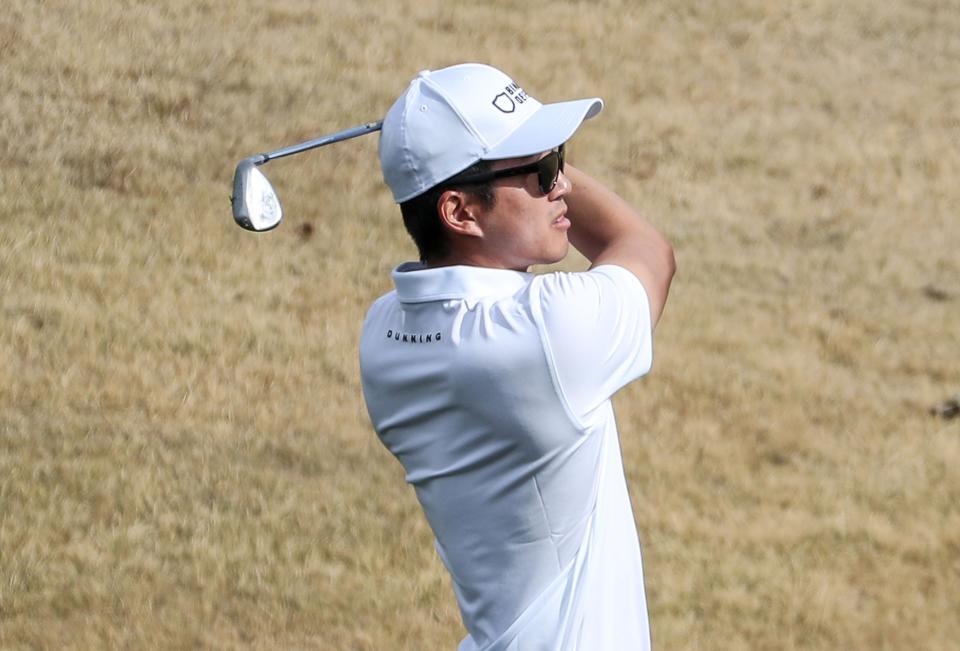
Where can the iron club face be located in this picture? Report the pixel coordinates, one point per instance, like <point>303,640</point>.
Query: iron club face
<point>256,206</point>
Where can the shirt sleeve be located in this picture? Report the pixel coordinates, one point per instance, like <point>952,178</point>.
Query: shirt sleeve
<point>596,331</point>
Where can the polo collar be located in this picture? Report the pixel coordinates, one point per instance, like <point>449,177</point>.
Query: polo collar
<point>418,284</point>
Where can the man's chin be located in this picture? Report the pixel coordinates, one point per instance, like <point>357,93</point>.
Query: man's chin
<point>556,255</point>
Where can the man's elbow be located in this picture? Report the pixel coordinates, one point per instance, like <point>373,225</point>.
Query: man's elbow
<point>664,276</point>
<point>671,259</point>
<point>668,262</point>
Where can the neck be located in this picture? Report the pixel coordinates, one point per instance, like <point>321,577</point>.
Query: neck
<point>474,260</point>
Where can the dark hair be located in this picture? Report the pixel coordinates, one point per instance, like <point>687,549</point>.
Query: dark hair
<point>422,219</point>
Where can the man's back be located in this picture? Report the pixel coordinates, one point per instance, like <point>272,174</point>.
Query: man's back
<point>492,388</point>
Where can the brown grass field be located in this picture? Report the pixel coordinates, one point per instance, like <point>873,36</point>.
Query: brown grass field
<point>185,459</point>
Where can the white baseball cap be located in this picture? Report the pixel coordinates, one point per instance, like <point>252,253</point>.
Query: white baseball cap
<point>449,119</point>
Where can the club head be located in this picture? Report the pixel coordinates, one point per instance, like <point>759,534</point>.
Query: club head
<point>256,206</point>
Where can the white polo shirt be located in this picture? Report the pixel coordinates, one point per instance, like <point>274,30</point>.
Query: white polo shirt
<point>493,388</point>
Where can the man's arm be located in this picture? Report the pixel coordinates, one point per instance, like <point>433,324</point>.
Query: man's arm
<point>607,230</point>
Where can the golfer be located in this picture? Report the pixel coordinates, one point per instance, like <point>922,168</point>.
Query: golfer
<point>492,385</point>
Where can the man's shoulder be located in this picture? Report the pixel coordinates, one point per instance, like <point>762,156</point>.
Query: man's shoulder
<point>595,327</point>
<point>604,282</point>
<point>381,303</point>
<point>610,272</point>
<point>386,297</point>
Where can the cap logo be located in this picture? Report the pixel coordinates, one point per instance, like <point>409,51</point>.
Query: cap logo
<point>504,103</point>
<point>507,101</point>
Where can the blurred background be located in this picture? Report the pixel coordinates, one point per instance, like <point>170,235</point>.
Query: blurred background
<point>185,458</point>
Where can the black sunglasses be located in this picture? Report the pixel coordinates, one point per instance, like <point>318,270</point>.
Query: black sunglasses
<point>547,168</point>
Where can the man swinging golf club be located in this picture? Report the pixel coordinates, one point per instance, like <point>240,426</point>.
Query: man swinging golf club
<point>492,385</point>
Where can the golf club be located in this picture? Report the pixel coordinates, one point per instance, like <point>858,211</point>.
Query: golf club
<point>256,206</point>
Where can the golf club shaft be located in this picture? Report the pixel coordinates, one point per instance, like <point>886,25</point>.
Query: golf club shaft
<point>369,127</point>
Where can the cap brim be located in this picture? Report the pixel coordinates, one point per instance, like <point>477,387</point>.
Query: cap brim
<point>551,126</point>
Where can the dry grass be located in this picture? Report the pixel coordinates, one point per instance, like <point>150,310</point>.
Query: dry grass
<point>185,461</point>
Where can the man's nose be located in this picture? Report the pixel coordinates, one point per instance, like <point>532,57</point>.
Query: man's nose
<point>561,187</point>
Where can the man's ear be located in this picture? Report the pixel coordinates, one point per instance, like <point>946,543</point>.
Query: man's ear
<point>458,212</point>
